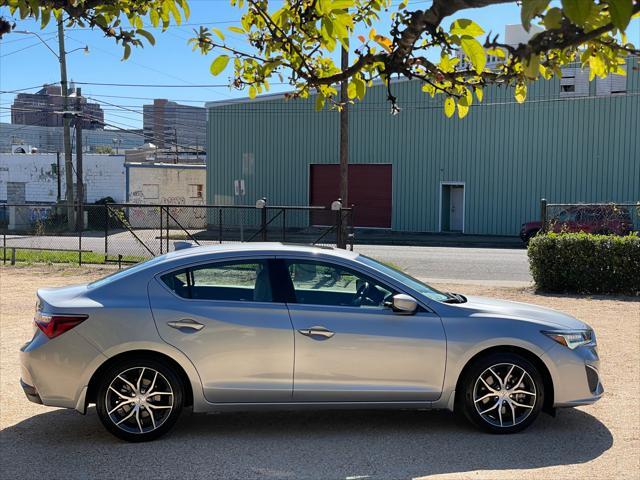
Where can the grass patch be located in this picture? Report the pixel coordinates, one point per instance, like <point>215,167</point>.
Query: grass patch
<point>62,256</point>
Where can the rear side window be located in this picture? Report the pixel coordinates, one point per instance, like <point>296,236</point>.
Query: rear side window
<point>238,281</point>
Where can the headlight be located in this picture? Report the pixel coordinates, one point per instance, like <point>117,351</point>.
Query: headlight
<point>572,338</point>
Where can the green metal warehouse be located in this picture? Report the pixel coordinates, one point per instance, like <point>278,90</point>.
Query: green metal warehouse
<point>419,171</point>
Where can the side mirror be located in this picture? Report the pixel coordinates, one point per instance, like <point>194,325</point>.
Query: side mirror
<point>403,303</point>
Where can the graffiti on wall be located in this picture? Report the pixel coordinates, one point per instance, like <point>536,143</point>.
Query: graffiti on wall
<point>149,217</point>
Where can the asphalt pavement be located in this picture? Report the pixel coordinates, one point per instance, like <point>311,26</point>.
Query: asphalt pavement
<point>499,266</point>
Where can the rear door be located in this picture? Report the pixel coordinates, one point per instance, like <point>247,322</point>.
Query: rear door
<point>227,319</point>
<point>350,347</point>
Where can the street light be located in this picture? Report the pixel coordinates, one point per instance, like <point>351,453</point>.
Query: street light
<point>27,32</point>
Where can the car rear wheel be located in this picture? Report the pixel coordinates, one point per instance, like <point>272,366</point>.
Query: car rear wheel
<point>503,393</point>
<point>139,399</point>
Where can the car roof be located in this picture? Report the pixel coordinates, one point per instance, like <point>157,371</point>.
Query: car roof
<point>258,248</point>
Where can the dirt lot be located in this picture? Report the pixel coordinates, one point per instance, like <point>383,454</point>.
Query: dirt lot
<point>599,441</point>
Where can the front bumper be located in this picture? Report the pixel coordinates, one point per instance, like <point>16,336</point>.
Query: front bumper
<point>31,392</point>
<point>577,379</point>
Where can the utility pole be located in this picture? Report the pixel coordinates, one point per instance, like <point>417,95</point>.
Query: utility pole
<point>79,181</point>
<point>68,166</point>
<point>344,146</point>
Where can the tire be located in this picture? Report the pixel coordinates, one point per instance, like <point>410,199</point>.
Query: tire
<point>502,412</point>
<point>529,235</point>
<point>128,412</point>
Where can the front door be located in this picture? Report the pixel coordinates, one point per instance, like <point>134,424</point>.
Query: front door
<point>226,318</point>
<point>350,347</point>
<point>456,206</point>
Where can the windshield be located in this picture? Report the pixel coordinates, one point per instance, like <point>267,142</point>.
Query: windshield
<point>126,272</point>
<point>408,280</point>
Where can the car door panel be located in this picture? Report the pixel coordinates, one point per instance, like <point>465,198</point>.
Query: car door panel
<point>365,353</point>
<point>243,352</point>
<point>374,355</point>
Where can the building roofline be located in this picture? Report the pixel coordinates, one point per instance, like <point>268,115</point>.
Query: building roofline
<point>165,165</point>
<point>278,95</point>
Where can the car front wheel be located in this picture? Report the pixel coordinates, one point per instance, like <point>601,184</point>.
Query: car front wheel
<point>503,393</point>
<point>139,399</point>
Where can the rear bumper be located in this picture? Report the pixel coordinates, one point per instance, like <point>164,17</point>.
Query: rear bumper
<point>31,392</point>
<point>56,372</point>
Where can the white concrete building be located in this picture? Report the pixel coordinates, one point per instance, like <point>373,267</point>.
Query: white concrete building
<point>166,184</point>
<point>40,177</point>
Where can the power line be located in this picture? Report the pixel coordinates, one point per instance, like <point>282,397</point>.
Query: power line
<point>23,89</point>
<point>150,85</point>
<point>20,49</point>
<point>161,72</point>
<point>51,35</point>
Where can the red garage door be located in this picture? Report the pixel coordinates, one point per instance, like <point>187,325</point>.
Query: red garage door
<point>369,191</point>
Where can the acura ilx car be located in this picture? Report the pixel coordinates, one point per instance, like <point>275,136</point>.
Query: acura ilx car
<point>264,326</point>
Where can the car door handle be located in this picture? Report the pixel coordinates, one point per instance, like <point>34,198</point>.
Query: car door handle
<point>316,332</point>
<point>186,323</point>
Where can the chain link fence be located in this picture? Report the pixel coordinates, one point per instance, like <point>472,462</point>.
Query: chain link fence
<point>129,233</point>
<point>596,218</point>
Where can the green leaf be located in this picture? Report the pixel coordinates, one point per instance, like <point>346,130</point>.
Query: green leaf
<point>521,92</point>
<point>467,99</point>
<point>252,92</point>
<point>185,8</point>
<point>577,10</point>
<point>351,90</point>
<point>597,67</point>
<point>127,51</point>
<point>531,8</point>
<point>465,27</point>
<point>479,93</point>
<point>154,17</point>
<point>531,67</point>
<point>218,32</point>
<point>146,35</point>
<point>553,18</point>
<point>319,102</point>
<point>219,64</point>
<point>475,52</point>
<point>46,15</point>
<point>462,110</point>
<point>620,12</point>
<point>236,30</point>
<point>360,87</point>
<point>449,107</point>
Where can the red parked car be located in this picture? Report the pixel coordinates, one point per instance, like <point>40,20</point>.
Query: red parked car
<point>600,219</point>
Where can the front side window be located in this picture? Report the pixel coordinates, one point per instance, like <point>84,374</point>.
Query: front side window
<point>318,283</point>
<point>238,281</point>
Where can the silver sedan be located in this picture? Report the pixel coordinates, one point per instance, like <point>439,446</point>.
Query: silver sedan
<point>262,326</point>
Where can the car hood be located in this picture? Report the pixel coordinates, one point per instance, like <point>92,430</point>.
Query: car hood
<point>522,311</point>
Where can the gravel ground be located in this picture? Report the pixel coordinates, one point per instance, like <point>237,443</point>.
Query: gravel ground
<point>599,441</point>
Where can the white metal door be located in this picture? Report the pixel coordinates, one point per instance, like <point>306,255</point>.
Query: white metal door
<point>456,207</point>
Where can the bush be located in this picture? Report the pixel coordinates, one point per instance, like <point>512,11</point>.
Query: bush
<point>96,216</point>
<point>585,263</point>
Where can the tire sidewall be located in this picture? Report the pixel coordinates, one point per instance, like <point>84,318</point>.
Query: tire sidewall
<point>477,368</point>
<point>116,369</point>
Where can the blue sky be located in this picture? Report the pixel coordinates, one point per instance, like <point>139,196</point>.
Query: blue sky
<point>24,62</point>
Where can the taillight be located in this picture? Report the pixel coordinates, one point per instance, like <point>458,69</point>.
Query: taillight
<point>54,325</point>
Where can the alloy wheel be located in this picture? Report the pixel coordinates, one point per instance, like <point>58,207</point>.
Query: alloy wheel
<point>139,400</point>
<point>504,395</point>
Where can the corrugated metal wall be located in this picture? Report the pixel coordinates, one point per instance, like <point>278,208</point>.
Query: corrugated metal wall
<point>508,155</point>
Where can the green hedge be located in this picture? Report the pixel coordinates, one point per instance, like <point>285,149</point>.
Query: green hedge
<point>584,263</point>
